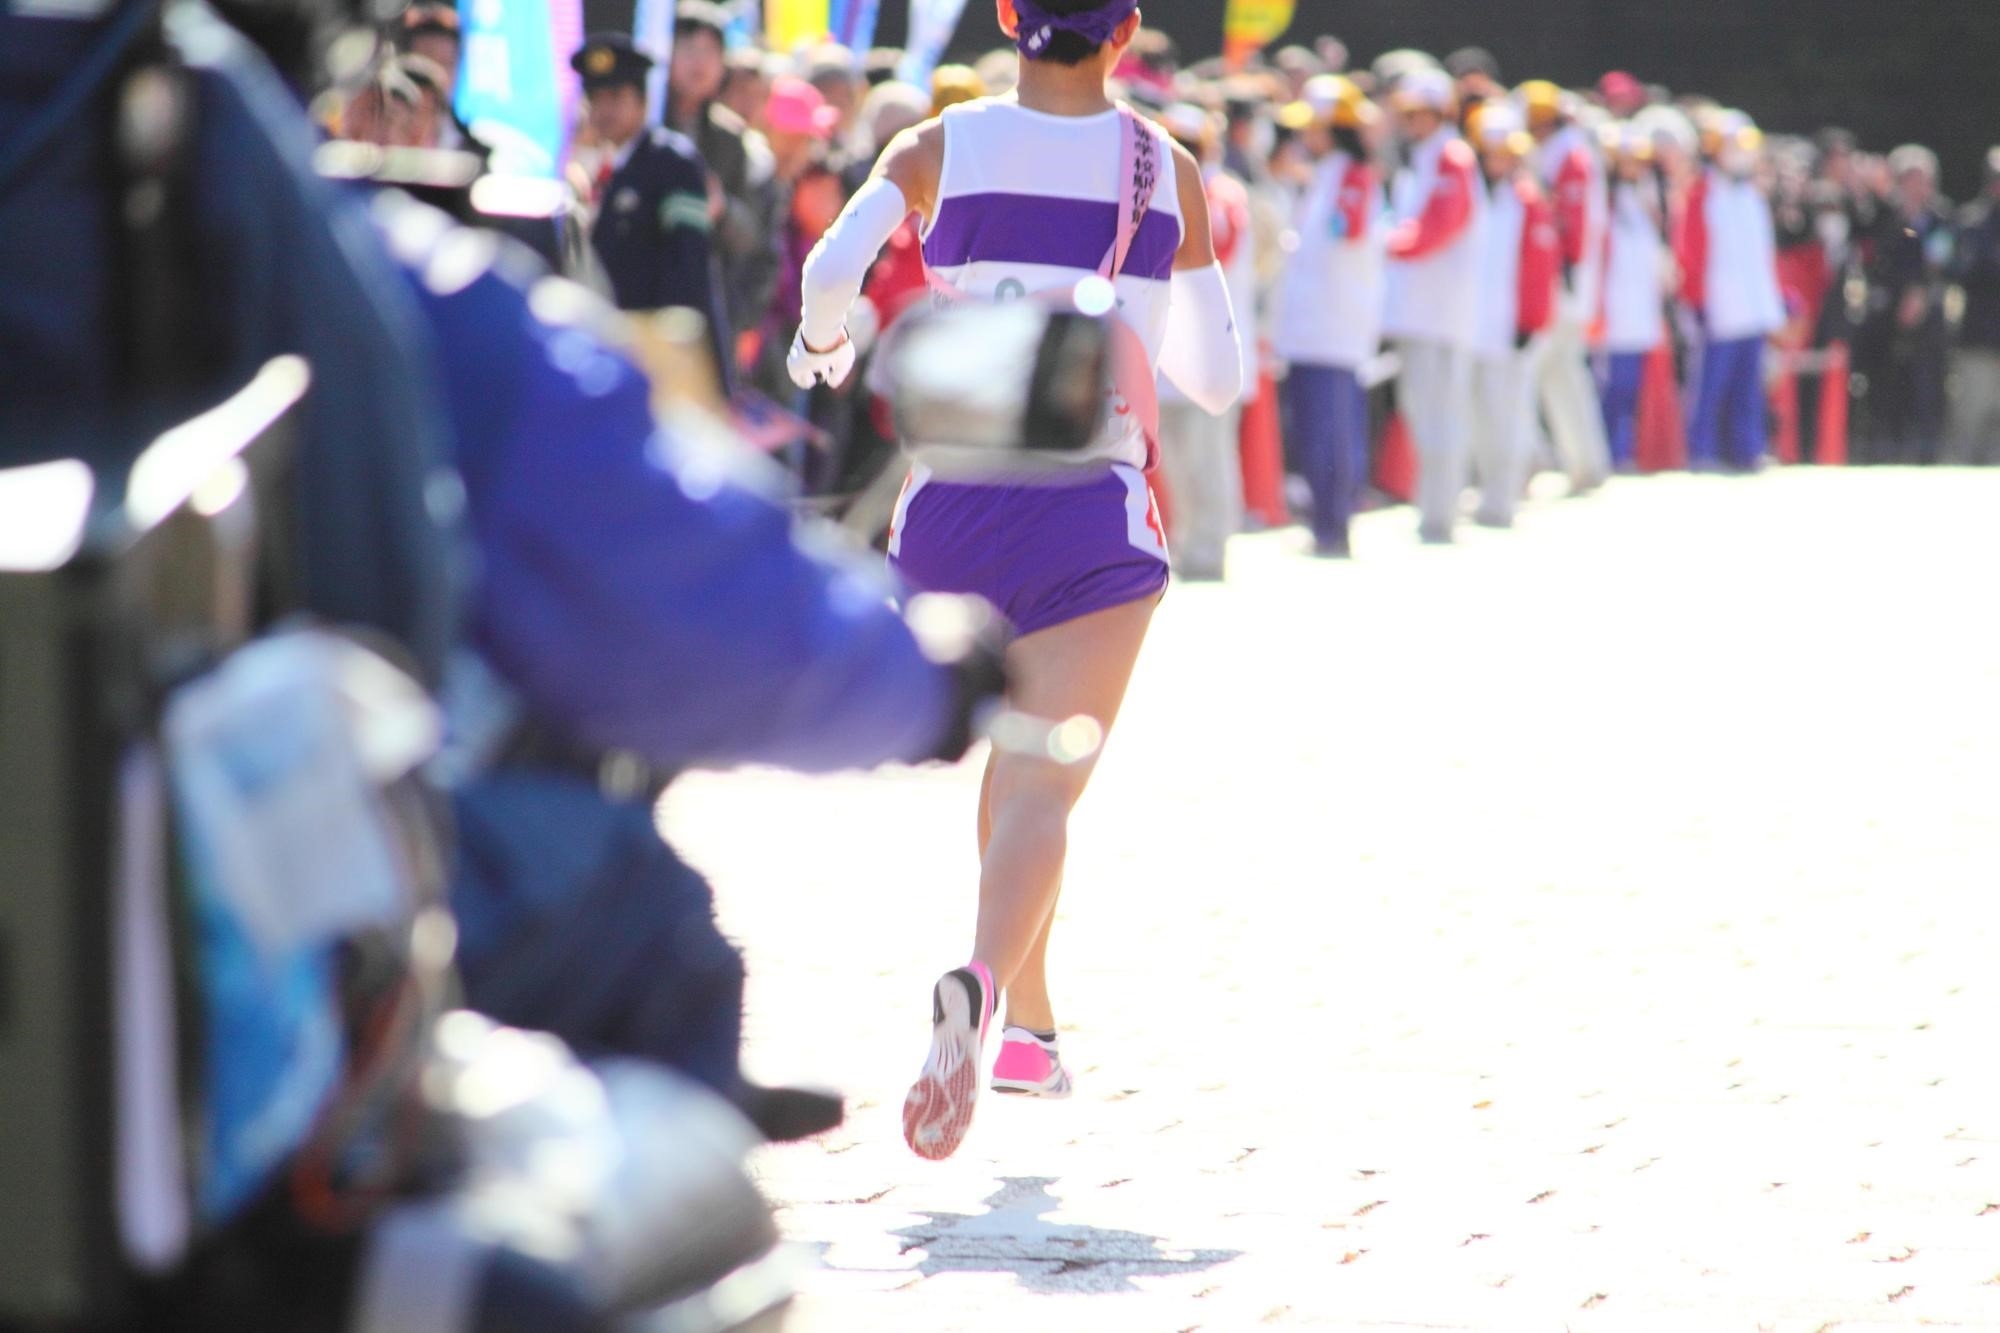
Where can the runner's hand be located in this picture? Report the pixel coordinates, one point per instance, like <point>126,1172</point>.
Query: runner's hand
<point>808,367</point>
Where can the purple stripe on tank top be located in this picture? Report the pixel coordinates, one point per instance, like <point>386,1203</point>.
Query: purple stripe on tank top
<point>1035,229</point>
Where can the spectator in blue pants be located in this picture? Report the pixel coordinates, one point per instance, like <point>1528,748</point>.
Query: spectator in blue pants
<point>1729,286</point>
<point>1329,317</point>
<point>1330,411</point>
<point>1635,288</point>
<point>1623,373</point>
<point>1727,426</point>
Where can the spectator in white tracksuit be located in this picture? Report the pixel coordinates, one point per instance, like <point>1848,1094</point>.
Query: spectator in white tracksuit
<point>1328,320</point>
<point>1198,448</point>
<point>1635,287</point>
<point>1517,297</point>
<point>1432,302</point>
<point>1572,172</point>
<point>1729,286</point>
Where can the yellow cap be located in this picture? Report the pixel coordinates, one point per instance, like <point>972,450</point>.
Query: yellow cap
<point>1722,129</point>
<point>1498,125</point>
<point>1712,128</point>
<point>1330,99</point>
<point>952,84</point>
<point>1353,110</point>
<point>1541,100</point>
<point>1624,138</point>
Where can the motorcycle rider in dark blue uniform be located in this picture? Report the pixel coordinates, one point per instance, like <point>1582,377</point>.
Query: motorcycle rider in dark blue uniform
<point>632,595</point>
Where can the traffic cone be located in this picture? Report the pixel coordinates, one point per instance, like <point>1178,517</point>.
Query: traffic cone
<point>1396,461</point>
<point>1261,453</point>
<point>1833,408</point>
<point>1662,438</point>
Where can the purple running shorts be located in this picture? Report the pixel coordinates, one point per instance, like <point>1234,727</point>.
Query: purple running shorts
<point>1043,553</point>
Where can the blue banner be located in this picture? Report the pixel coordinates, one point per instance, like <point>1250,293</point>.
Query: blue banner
<point>509,96</point>
<point>566,32</point>
<point>653,33</point>
<point>932,23</point>
<point>852,23</point>
<point>746,24</point>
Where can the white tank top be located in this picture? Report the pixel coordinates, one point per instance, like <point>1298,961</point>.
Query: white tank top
<point>1028,202</point>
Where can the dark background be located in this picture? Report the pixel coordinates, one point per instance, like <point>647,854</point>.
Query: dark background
<point>1893,71</point>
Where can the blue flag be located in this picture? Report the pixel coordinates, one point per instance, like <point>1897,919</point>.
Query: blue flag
<point>932,23</point>
<point>510,96</point>
<point>653,33</point>
<point>852,23</point>
<point>746,24</point>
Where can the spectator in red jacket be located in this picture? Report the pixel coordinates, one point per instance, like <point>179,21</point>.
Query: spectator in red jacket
<point>1435,251</point>
<point>1517,297</point>
<point>1198,449</point>
<point>1567,160</point>
<point>1328,320</point>
<point>1729,285</point>
<point>1635,287</point>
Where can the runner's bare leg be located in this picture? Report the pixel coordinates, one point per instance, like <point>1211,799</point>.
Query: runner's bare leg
<point>1081,666</point>
<point>1028,1003</point>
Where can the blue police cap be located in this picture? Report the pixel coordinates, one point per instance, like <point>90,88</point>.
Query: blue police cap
<point>608,59</point>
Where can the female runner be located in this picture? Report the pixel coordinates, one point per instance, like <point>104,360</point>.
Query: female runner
<point>1017,195</point>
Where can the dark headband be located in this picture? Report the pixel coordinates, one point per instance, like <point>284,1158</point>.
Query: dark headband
<point>1095,26</point>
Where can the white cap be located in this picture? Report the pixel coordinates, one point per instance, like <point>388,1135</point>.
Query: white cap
<point>1666,125</point>
<point>1913,157</point>
<point>1392,66</point>
<point>1733,123</point>
<point>1185,120</point>
<point>1499,122</point>
<point>1322,94</point>
<point>1428,88</point>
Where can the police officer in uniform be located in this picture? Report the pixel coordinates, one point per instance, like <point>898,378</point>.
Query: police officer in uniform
<point>651,194</point>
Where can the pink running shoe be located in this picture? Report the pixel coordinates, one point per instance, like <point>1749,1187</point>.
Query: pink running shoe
<point>1029,1066</point>
<point>938,1110</point>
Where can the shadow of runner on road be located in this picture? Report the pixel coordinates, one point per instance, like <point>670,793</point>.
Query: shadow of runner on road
<point>1015,1236</point>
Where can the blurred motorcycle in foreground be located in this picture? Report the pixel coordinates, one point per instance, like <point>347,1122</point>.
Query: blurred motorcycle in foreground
<point>236,1090</point>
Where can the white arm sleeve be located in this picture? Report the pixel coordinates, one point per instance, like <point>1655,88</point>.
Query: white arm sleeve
<point>1202,354</point>
<point>835,268</point>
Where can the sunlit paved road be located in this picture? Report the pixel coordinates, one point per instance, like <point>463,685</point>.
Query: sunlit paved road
<point>1590,927</point>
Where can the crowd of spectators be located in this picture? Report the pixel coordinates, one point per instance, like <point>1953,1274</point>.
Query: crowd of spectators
<point>1885,284</point>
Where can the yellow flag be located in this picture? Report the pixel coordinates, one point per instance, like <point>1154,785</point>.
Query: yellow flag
<point>1249,26</point>
<point>788,23</point>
